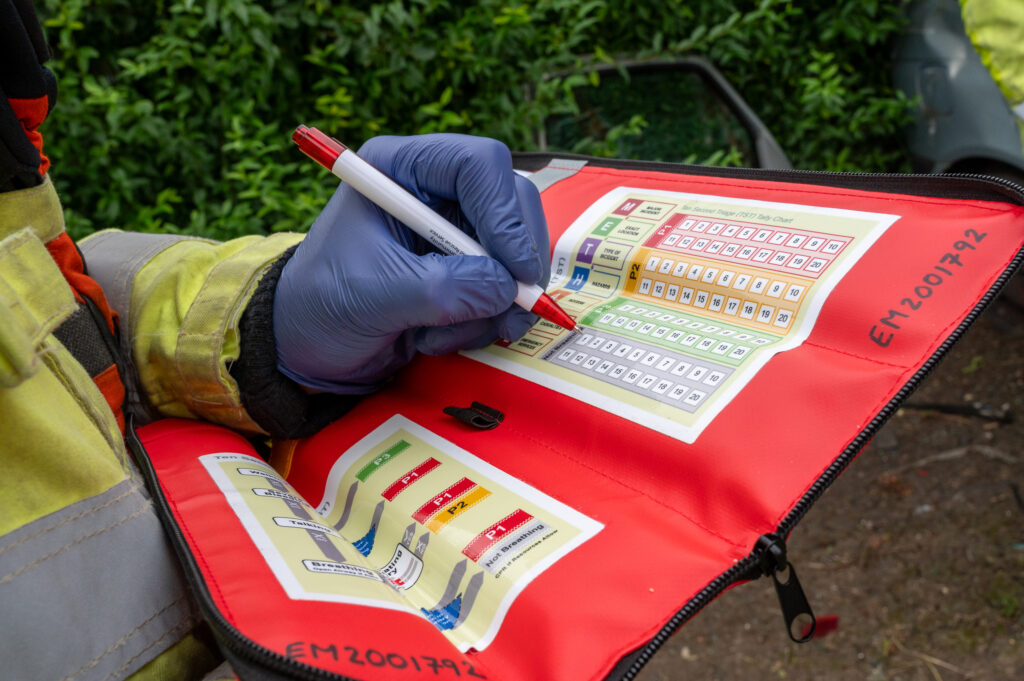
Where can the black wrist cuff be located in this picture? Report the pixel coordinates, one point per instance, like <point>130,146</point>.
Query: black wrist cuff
<point>274,401</point>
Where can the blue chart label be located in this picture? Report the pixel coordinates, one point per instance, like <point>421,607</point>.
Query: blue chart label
<point>407,522</point>
<point>579,278</point>
<point>684,298</point>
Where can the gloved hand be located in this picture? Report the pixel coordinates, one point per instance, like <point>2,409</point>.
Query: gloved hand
<point>363,293</point>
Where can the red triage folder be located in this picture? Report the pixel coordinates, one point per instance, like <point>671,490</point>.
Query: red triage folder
<point>747,332</point>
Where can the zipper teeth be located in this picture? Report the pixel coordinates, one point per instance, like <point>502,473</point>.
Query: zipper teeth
<point>692,607</point>
<point>818,487</point>
<point>1007,188</point>
<point>243,645</point>
<point>1016,191</point>
<point>236,641</point>
<point>843,460</point>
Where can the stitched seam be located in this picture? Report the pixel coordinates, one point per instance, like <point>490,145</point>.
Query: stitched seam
<point>192,546</point>
<point>133,264</point>
<point>194,397</point>
<point>42,326</point>
<point>641,492</point>
<point>8,577</point>
<point>855,355</point>
<point>43,330</point>
<point>94,509</point>
<point>31,197</point>
<point>209,578</point>
<point>125,277</point>
<point>173,631</point>
<point>90,410</point>
<point>229,312</point>
<point>96,660</point>
<point>41,354</point>
<point>875,409</point>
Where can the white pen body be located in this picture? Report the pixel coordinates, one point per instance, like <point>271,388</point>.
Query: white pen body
<point>527,295</point>
<point>417,216</point>
<point>405,207</point>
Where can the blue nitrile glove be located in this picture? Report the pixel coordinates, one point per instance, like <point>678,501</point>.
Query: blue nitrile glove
<point>363,293</point>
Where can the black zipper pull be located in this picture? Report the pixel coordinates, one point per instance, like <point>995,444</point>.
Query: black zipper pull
<point>800,621</point>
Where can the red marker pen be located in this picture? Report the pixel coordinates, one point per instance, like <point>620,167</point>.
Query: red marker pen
<point>407,209</point>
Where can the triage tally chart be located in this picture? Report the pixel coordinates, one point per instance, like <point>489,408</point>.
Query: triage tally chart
<point>683,298</point>
<point>746,334</point>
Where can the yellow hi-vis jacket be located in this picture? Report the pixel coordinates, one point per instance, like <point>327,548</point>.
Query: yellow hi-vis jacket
<point>89,588</point>
<point>996,28</point>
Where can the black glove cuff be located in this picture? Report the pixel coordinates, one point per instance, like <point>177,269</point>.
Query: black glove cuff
<point>272,399</point>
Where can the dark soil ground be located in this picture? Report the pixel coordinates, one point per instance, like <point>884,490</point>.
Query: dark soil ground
<point>917,549</point>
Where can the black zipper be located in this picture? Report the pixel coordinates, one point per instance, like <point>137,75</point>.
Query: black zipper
<point>843,460</point>
<point>227,635</point>
<point>768,557</point>
<point>796,611</point>
<point>979,187</point>
<point>756,564</point>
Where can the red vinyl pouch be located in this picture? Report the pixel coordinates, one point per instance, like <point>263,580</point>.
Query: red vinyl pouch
<point>555,507</point>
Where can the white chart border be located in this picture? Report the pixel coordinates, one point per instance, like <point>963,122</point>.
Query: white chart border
<point>587,526</point>
<point>687,433</point>
<point>277,562</point>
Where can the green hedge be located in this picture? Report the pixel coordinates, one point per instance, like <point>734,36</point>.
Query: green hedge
<point>176,115</point>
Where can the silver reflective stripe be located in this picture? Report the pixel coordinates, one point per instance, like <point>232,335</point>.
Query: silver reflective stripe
<point>113,259</point>
<point>555,171</point>
<point>90,592</point>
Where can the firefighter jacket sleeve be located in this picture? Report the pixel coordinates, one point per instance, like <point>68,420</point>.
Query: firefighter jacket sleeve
<point>196,330</point>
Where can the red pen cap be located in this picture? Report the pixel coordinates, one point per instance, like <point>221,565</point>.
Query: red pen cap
<point>548,309</point>
<point>322,148</point>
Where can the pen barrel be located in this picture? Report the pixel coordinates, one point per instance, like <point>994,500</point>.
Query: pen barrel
<point>403,206</point>
<point>527,295</point>
<point>443,235</point>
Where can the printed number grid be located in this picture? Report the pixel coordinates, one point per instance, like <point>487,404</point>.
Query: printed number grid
<point>761,299</point>
<point>721,343</point>
<point>781,250</point>
<point>675,359</point>
<point>681,381</point>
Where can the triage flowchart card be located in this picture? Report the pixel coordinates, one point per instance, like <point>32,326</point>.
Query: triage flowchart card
<point>684,298</point>
<point>408,521</point>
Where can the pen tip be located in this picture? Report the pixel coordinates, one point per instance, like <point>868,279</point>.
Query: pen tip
<point>578,330</point>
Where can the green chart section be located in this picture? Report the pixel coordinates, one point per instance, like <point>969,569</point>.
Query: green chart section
<point>717,341</point>
<point>389,454</point>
